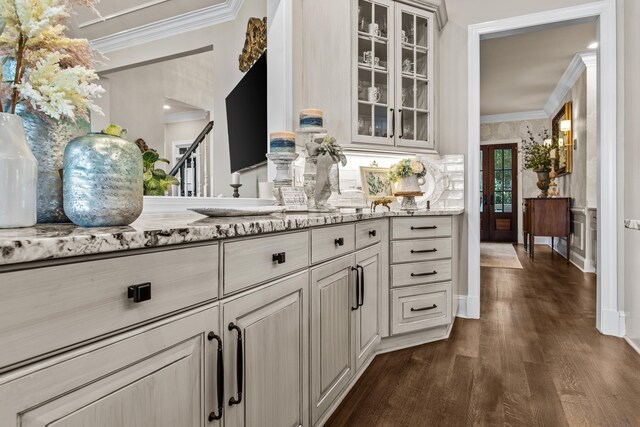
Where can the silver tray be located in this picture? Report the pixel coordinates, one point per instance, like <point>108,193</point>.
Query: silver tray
<point>238,211</point>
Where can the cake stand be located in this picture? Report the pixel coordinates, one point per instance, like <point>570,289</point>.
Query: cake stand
<point>409,200</point>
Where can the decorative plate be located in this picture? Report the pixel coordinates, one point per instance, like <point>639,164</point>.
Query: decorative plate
<point>238,211</point>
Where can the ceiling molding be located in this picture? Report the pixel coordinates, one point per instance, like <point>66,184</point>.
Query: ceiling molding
<point>185,116</point>
<point>569,78</point>
<point>514,117</point>
<point>123,12</point>
<point>169,27</point>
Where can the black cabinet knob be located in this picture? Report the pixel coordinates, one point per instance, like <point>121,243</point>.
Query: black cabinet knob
<point>139,293</point>
<point>280,258</point>
<point>339,241</point>
<point>372,233</point>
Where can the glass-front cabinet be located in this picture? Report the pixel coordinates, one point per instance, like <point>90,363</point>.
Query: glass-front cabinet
<point>392,96</point>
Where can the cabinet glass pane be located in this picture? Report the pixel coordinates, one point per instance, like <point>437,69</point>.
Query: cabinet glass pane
<point>365,125</point>
<point>407,95</point>
<point>408,124</point>
<point>381,20</point>
<point>366,56</point>
<point>422,95</point>
<point>407,30</point>
<point>365,14</point>
<point>407,64</point>
<point>422,64</point>
<point>380,92</point>
<point>380,121</point>
<point>380,58</point>
<point>422,126</point>
<point>364,83</point>
<point>422,32</point>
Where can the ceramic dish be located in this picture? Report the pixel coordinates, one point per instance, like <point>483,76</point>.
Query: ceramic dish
<point>238,211</point>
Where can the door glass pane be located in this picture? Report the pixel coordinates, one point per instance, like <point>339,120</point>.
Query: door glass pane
<point>508,202</point>
<point>408,124</point>
<point>507,154</point>
<point>497,180</point>
<point>365,125</point>
<point>380,128</point>
<point>380,18</point>
<point>422,126</point>
<point>422,32</point>
<point>408,29</point>
<point>498,202</point>
<point>508,182</point>
<point>497,160</point>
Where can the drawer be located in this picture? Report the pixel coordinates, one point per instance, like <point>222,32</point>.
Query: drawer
<point>48,308</point>
<point>420,227</point>
<point>332,242</point>
<point>420,272</point>
<point>368,233</point>
<point>252,261</point>
<point>420,250</point>
<point>420,307</point>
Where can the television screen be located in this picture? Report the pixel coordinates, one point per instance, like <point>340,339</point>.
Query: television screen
<point>247,118</point>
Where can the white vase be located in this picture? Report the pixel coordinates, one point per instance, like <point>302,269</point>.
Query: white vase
<point>409,184</point>
<point>18,175</point>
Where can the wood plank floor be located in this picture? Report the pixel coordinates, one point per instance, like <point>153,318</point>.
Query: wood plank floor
<point>534,358</point>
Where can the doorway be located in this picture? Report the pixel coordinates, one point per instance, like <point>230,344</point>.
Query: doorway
<point>499,193</point>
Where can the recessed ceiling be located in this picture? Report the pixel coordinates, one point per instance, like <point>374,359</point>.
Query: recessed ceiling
<point>123,15</point>
<point>519,73</point>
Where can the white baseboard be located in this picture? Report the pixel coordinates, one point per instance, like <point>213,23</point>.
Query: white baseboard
<point>612,323</point>
<point>623,323</point>
<point>473,307</point>
<point>634,345</point>
<point>462,306</point>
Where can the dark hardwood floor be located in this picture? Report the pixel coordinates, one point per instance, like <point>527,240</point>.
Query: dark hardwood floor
<point>534,358</point>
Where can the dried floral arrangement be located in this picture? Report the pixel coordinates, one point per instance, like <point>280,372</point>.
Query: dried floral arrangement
<point>406,167</point>
<point>43,69</point>
<point>536,154</point>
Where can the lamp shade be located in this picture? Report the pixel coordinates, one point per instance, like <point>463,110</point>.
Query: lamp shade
<point>565,125</point>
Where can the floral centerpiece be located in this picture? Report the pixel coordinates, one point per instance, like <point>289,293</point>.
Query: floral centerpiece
<point>407,175</point>
<point>327,154</point>
<point>537,157</point>
<point>47,80</point>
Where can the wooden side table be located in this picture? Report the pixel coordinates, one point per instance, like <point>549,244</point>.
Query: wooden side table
<point>549,217</point>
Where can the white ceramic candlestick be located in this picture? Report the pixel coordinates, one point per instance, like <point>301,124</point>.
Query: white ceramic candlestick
<point>283,171</point>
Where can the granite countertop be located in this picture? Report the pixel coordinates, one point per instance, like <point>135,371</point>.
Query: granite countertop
<point>49,241</point>
<point>632,224</point>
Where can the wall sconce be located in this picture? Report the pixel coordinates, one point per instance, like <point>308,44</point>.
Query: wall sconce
<point>547,142</point>
<point>565,125</point>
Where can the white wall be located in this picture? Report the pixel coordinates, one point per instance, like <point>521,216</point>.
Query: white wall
<point>631,69</point>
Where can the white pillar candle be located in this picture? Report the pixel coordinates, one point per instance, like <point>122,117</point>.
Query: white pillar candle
<point>235,178</point>
<point>553,154</point>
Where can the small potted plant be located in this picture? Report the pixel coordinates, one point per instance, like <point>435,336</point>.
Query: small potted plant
<point>537,157</point>
<point>407,175</point>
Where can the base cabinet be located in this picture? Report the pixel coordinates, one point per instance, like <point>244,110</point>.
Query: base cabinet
<point>266,354</point>
<point>367,322</point>
<point>159,376</point>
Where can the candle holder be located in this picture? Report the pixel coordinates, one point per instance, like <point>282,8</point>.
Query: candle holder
<point>235,187</point>
<point>553,187</point>
<point>283,171</point>
<point>409,200</point>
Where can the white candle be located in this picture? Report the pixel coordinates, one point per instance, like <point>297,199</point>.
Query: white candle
<point>553,153</point>
<point>235,178</point>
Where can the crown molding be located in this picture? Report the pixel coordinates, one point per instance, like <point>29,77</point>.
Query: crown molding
<point>438,7</point>
<point>169,27</point>
<point>573,72</point>
<point>120,13</point>
<point>185,116</point>
<point>514,117</point>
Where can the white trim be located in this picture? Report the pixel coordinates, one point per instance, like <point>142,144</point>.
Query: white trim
<point>514,117</point>
<point>122,12</point>
<point>571,75</point>
<point>632,343</point>
<point>169,27</point>
<point>462,306</point>
<point>607,318</point>
<point>185,116</point>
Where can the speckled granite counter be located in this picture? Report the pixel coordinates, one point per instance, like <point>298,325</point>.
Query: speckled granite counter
<point>632,224</point>
<point>51,241</point>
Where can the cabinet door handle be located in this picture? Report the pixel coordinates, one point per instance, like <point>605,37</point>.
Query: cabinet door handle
<point>139,293</point>
<point>361,303</point>
<point>239,366</point>
<point>424,308</point>
<point>372,233</point>
<point>339,241</point>
<point>423,251</point>
<point>432,273</point>
<point>430,227</point>
<point>393,123</point>
<point>357,289</point>
<point>401,123</point>
<point>220,378</point>
<point>280,257</point>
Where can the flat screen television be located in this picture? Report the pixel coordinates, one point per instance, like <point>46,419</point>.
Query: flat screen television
<point>247,118</point>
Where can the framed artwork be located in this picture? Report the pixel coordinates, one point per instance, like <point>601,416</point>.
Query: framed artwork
<point>375,183</point>
<point>562,135</point>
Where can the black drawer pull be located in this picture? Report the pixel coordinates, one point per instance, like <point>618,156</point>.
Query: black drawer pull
<point>239,366</point>
<point>372,233</point>
<point>430,227</point>
<point>219,377</point>
<point>424,274</point>
<point>339,241</point>
<point>424,308</point>
<point>423,251</point>
<point>139,293</point>
<point>280,257</point>
<point>357,289</point>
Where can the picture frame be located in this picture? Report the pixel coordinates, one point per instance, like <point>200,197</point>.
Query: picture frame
<point>294,199</point>
<point>375,183</point>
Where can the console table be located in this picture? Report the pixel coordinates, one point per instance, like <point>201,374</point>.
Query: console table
<point>549,217</point>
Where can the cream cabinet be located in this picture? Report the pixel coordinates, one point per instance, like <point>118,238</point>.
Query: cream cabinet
<point>367,319</point>
<point>266,355</point>
<point>162,375</point>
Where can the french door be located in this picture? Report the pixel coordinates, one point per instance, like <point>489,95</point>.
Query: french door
<point>499,193</point>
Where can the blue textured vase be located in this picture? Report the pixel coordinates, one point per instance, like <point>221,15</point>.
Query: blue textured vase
<point>103,181</point>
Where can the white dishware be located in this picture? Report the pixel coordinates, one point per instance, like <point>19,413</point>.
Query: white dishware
<point>374,29</point>
<point>403,37</point>
<point>368,57</point>
<point>373,94</point>
<point>376,61</point>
